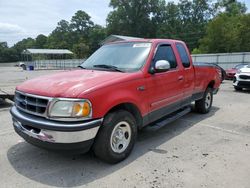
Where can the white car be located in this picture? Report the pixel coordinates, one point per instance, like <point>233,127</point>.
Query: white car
<point>242,78</point>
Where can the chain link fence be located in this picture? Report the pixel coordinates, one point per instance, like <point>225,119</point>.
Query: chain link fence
<point>55,64</point>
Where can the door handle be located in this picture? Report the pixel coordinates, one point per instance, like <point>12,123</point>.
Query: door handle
<point>180,78</point>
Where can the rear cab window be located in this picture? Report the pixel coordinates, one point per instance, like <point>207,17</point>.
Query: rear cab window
<point>183,55</point>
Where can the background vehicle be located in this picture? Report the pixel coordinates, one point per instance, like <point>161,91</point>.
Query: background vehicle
<point>22,65</point>
<point>121,88</point>
<point>242,78</point>
<point>231,72</point>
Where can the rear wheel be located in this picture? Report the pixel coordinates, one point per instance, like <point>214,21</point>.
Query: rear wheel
<point>204,105</point>
<point>116,137</point>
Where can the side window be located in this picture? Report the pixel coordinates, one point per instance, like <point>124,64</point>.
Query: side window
<point>184,55</point>
<point>165,52</point>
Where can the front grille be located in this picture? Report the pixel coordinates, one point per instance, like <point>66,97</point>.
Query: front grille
<point>244,84</point>
<point>244,77</point>
<point>31,103</point>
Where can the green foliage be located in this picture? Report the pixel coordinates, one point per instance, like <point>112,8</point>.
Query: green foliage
<point>81,23</point>
<point>97,34</point>
<point>156,19</point>
<point>244,33</point>
<point>196,51</point>
<point>81,50</point>
<point>229,30</point>
<point>133,17</point>
<point>7,54</point>
<point>79,35</point>
<point>185,21</point>
<point>41,41</point>
<point>232,7</point>
<point>227,33</point>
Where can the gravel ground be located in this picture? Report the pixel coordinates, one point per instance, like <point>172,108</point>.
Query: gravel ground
<point>209,150</point>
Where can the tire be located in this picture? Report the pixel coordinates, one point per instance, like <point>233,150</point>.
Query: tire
<point>204,105</point>
<point>116,137</point>
<point>237,88</point>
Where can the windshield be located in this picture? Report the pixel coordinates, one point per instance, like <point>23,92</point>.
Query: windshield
<point>240,66</point>
<point>125,57</point>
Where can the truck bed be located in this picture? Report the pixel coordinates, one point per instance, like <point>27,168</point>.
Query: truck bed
<point>203,74</point>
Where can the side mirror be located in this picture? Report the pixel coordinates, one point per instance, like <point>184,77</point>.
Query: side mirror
<point>160,66</point>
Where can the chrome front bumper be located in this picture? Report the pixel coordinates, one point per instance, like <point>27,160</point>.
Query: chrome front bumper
<point>241,83</point>
<point>53,131</point>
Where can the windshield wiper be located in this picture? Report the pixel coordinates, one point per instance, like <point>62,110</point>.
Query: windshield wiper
<point>109,67</point>
<point>80,66</point>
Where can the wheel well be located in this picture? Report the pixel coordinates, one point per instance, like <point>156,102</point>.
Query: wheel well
<point>130,108</point>
<point>211,84</point>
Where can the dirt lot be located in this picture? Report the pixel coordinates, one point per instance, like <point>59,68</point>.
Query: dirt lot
<point>209,150</point>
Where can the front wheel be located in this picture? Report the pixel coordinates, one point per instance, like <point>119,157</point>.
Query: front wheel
<point>204,105</point>
<point>116,137</point>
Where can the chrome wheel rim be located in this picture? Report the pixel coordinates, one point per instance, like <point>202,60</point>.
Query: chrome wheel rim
<point>120,137</point>
<point>208,100</point>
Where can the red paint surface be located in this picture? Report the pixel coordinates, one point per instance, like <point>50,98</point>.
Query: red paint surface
<point>230,73</point>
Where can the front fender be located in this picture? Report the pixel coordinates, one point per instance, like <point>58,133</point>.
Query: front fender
<point>106,98</point>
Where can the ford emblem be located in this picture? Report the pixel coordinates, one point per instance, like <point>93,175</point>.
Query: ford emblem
<point>24,102</point>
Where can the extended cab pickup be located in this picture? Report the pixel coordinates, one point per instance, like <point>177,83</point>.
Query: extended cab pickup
<point>120,89</point>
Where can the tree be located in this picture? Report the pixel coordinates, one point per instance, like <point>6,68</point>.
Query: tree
<point>63,26</point>
<point>244,33</point>
<point>3,45</point>
<point>61,36</point>
<point>41,41</point>
<point>227,34</point>
<point>24,44</point>
<point>133,17</point>
<point>169,22</point>
<point>96,34</point>
<point>232,7</point>
<point>81,50</point>
<point>81,23</point>
<point>7,54</point>
<point>185,21</point>
<point>229,30</point>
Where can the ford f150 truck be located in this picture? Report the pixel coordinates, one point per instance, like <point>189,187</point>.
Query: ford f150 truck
<point>121,88</point>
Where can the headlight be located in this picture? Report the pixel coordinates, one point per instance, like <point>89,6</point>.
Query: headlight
<point>68,108</point>
<point>238,71</point>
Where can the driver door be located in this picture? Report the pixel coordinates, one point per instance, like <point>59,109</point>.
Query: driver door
<point>165,89</point>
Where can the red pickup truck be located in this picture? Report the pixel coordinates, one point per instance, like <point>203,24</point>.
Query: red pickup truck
<point>120,89</point>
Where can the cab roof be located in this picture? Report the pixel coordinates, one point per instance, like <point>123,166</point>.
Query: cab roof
<point>147,40</point>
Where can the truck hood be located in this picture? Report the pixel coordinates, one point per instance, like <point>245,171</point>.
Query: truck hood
<point>70,84</point>
<point>231,71</point>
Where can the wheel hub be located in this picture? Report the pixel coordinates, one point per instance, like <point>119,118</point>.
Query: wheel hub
<point>120,137</point>
<point>208,100</point>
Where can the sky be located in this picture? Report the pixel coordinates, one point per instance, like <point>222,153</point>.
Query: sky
<point>28,18</point>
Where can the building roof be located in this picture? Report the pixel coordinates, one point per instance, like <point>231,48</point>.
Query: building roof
<point>114,38</point>
<point>47,51</point>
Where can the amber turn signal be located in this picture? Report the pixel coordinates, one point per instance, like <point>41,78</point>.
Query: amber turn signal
<point>81,109</point>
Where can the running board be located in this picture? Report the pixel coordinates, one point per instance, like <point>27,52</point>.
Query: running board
<point>168,119</point>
